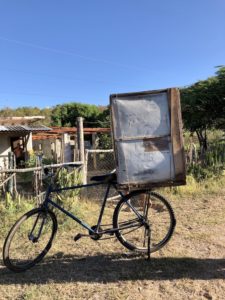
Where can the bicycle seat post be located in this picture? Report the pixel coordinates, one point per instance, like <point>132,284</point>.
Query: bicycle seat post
<point>103,207</point>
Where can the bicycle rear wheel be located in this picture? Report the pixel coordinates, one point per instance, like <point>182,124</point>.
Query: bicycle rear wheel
<point>29,240</point>
<point>134,211</point>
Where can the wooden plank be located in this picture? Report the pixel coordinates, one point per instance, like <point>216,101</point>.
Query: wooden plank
<point>99,151</point>
<point>7,179</point>
<point>94,146</point>
<point>113,126</point>
<point>176,135</point>
<point>132,186</point>
<point>70,164</point>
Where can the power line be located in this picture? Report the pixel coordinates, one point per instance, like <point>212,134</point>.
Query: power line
<point>70,53</point>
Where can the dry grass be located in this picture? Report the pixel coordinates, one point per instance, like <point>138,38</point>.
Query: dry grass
<point>191,266</point>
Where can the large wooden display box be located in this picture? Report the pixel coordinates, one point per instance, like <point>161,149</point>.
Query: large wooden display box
<point>148,141</point>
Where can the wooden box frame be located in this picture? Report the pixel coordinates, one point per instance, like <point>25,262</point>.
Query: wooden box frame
<point>176,139</point>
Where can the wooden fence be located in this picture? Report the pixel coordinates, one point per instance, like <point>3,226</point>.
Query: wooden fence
<point>9,184</point>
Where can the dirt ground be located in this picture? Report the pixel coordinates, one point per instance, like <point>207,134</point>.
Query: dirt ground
<point>190,266</point>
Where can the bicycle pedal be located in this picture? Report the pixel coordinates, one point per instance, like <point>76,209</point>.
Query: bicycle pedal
<point>77,237</point>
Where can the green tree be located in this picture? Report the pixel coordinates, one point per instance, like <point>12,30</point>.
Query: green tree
<point>28,111</point>
<point>66,114</point>
<point>104,117</point>
<point>203,106</point>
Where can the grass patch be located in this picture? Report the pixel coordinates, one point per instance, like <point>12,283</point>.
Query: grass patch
<point>195,189</point>
<point>189,267</point>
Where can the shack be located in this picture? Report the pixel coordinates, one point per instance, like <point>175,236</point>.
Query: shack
<point>16,136</point>
<point>60,144</point>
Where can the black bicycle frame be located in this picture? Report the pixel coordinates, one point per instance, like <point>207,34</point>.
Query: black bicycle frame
<point>48,201</point>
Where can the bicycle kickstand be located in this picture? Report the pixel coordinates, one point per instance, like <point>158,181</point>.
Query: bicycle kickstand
<point>149,240</point>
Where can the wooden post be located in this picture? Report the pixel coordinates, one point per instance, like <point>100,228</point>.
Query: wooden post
<point>62,148</point>
<point>10,166</point>
<point>80,142</point>
<point>76,151</point>
<point>29,145</point>
<point>93,136</point>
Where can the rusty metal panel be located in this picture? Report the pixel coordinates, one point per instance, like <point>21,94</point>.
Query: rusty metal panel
<point>143,139</point>
<point>139,166</point>
<point>141,116</point>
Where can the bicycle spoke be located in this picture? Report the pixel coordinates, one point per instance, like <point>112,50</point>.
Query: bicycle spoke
<point>154,215</point>
<point>29,240</point>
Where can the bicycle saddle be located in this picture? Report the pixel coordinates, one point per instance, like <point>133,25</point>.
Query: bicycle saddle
<point>107,178</point>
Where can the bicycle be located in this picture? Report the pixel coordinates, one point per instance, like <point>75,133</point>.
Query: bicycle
<point>143,221</point>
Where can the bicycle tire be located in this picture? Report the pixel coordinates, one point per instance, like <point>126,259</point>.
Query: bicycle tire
<point>161,219</point>
<point>21,241</point>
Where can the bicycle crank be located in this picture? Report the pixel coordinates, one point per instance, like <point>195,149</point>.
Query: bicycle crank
<point>95,235</point>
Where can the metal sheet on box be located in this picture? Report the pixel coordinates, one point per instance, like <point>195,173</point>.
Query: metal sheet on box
<point>138,166</point>
<point>142,116</point>
<point>142,138</point>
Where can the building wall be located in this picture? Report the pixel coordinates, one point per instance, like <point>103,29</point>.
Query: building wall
<point>51,148</point>
<point>58,150</point>
<point>5,147</point>
<point>67,148</point>
<point>29,145</point>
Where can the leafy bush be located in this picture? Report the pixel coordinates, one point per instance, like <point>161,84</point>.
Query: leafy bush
<point>215,156</point>
<point>213,163</point>
<point>105,141</point>
<point>200,172</point>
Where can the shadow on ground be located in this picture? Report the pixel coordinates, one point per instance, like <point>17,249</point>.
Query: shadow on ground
<point>111,268</point>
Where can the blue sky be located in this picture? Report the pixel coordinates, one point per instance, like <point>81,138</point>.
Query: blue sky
<point>54,51</point>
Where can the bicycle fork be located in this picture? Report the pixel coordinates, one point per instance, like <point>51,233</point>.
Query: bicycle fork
<point>31,235</point>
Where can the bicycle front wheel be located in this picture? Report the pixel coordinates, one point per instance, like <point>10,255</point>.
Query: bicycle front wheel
<point>136,210</point>
<point>29,240</point>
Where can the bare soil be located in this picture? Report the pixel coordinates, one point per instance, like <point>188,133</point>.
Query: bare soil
<point>190,266</point>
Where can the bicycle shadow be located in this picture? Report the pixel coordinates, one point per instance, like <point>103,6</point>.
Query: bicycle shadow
<point>116,267</point>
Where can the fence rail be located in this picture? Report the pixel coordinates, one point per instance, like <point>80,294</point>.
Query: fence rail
<point>78,163</point>
<point>97,162</point>
<point>7,179</point>
<point>9,182</point>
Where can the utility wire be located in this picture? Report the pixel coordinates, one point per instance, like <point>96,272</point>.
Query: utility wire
<point>70,53</point>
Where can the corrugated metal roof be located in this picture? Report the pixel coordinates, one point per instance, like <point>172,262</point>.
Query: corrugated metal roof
<point>24,128</point>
